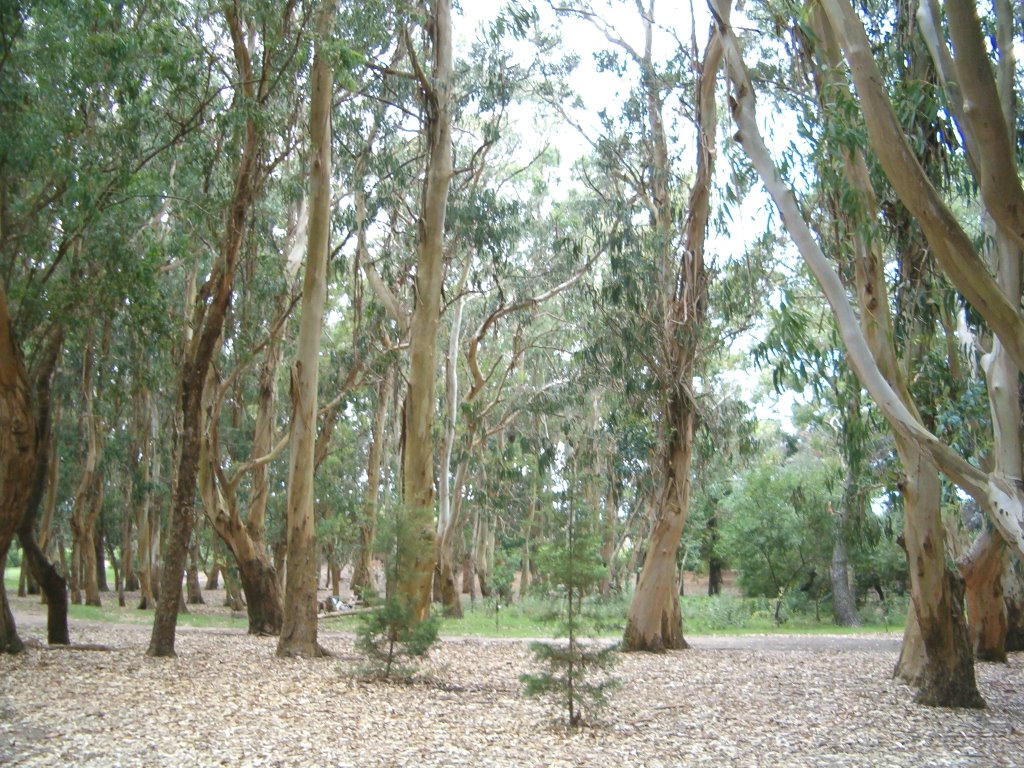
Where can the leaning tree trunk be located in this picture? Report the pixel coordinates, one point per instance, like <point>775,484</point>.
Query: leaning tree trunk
<point>299,628</point>
<point>18,449</point>
<point>982,569</point>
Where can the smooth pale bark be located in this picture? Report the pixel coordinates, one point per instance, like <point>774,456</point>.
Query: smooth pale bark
<point>416,532</point>
<point>654,622</point>
<point>18,448</point>
<point>208,321</point>
<point>951,245</point>
<point>947,675</point>
<point>982,569</point>
<point>299,629</point>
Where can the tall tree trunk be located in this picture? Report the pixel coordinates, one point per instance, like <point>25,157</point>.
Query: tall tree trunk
<point>416,533</point>
<point>18,457</point>
<point>299,629</point>
<point>655,622</point>
<point>208,321</point>
<point>982,569</point>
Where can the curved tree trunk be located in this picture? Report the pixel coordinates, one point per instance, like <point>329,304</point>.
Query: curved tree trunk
<point>982,569</point>
<point>49,579</point>
<point>655,622</point>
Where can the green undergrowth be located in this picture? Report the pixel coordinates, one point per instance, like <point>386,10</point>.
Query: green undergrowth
<point>722,615</point>
<point>529,617</point>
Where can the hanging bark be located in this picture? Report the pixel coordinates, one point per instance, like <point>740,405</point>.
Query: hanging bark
<point>299,628</point>
<point>654,622</point>
<point>416,533</point>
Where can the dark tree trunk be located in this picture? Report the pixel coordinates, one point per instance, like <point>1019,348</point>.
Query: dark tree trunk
<point>262,597</point>
<point>1013,592</point>
<point>715,563</point>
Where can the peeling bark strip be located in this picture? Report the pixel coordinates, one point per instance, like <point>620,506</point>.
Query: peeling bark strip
<point>655,621</point>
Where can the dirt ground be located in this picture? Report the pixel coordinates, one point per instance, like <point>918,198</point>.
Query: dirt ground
<point>734,701</point>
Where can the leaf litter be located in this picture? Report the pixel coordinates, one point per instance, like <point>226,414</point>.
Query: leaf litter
<point>226,700</point>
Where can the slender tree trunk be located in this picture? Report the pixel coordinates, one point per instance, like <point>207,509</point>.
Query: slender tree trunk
<point>844,603</point>
<point>362,574</point>
<point>299,628</point>
<point>416,535</point>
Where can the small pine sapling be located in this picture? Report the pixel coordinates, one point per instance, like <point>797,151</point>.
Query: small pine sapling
<point>390,636</point>
<point>574,569</point>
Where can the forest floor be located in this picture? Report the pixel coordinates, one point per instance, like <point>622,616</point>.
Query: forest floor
<point>751,700</point>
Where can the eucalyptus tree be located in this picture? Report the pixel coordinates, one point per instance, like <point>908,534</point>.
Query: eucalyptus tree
<point>640,169</point>
<point>947,676</point>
